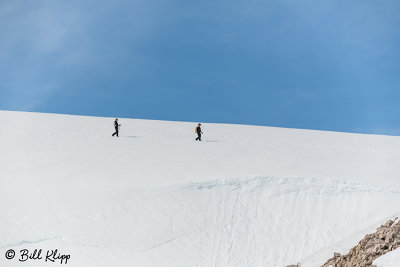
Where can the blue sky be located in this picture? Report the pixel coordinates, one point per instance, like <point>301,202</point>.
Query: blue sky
<point>330,65</point>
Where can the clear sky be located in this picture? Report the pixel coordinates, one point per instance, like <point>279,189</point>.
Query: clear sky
<point>321,64</point>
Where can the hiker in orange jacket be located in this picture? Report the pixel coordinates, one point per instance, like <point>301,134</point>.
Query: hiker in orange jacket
<point>199,132</point>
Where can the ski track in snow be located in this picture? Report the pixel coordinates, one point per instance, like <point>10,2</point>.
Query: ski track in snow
<point>24,242</point>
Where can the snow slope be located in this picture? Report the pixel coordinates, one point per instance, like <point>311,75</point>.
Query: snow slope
<point>246,196</point>
<point>389,259</point>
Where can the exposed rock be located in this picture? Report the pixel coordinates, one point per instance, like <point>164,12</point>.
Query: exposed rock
<point>372,246</point>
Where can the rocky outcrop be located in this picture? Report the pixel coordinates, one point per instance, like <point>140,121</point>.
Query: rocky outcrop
<point>372,246</point>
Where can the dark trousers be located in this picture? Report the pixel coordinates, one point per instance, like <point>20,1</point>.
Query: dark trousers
<point>116,132</point>
<point>198,136</point>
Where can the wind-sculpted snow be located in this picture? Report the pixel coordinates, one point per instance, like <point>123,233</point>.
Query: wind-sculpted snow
<point>251,196</point>
<point>263,221</point>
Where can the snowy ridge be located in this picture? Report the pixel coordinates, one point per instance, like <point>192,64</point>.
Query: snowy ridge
<point>155,197</point>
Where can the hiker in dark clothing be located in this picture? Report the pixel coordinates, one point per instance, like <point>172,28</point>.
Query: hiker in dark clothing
<point>199,132</point>
<point>116,126</point>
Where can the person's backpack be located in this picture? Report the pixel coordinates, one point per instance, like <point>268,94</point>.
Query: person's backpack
<point>195,130</point>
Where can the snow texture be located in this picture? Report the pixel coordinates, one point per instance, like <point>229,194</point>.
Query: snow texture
<point>391,259</point>
<point>246,196</point>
